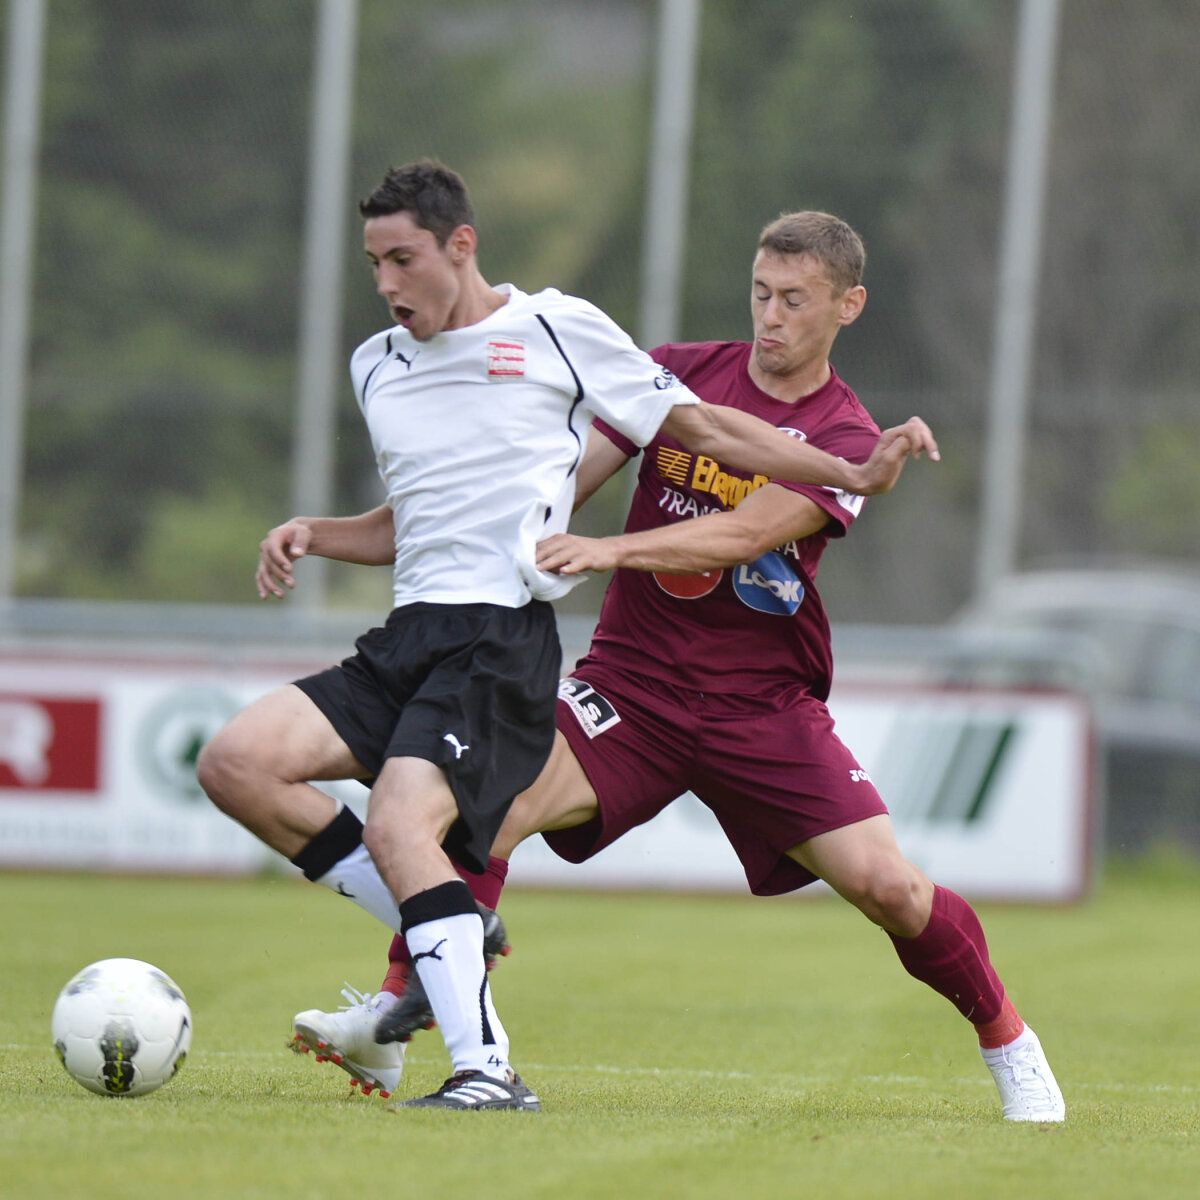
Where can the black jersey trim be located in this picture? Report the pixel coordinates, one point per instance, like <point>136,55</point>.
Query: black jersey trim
<point>387,353</point>
<point>578,389</point>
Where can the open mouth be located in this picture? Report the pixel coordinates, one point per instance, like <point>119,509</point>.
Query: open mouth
<point>401,315</point>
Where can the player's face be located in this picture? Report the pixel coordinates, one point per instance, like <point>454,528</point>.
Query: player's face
<point>420,280</point>
<point>797,312</point>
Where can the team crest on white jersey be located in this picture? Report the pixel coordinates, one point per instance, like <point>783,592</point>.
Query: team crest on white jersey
<point>505,358</point>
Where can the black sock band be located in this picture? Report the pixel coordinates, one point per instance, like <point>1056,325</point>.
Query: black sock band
<point>451,899</point>
<point>325,850</point>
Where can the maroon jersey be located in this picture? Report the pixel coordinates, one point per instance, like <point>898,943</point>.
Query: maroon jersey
<point>753,629</point>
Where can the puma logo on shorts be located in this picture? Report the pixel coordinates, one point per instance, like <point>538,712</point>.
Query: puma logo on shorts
<point>459,748</point>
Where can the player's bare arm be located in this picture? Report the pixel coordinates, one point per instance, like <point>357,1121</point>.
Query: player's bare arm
<point>368,539</point>
<point>744,441</point>
<point>601,461</point>
<point>767,518</point>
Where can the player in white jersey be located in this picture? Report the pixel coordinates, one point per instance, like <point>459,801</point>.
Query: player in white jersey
<point>480,411</point>
<point>478,406</point>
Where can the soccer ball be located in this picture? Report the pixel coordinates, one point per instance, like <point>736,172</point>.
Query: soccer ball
<point>121,1027</point>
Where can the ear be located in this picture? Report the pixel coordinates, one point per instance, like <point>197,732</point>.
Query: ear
<point>852,304</point>
<point>461,244</point>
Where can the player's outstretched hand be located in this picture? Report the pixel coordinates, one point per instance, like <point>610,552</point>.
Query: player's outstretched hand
<point>568,554</point>
<point>277,554</point>
<point>910,440</point>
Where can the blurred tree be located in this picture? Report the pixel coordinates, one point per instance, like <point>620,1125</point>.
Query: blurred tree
<point>172,207</point>
<point>166,278</point>
<point>1153,502</point>
<point>864,113</point>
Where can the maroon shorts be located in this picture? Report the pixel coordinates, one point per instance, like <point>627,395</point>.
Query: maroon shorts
<point>772,770</point>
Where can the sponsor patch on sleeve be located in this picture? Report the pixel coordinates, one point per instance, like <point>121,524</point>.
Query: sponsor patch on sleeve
<point>593,711</point>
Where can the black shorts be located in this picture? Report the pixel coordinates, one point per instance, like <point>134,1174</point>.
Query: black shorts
<point>469,687</point>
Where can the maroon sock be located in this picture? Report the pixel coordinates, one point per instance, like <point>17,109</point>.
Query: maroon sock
<point>951,956</point>
<point>485,887</point>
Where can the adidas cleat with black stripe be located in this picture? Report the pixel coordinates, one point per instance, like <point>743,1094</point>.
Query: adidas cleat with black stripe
<point>474,1090</point>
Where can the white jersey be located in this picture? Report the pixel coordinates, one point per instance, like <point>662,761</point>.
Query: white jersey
<point>478,433</point>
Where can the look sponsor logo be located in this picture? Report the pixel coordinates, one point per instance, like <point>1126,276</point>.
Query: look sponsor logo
<point>769,585</point>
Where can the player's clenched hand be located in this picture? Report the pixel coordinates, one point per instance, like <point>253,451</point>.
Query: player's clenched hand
<point>910,440</point>
<point>568,554</point>
<point>277,553</point>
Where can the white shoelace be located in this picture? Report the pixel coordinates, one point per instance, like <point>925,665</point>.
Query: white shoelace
<point>356,999</point>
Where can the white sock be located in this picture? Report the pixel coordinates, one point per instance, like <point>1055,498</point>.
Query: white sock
<point>448,955</point>
<point>357,878</point>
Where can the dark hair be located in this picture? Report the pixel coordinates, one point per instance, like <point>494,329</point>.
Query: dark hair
<point>433,194</point>
<point>826,238</point>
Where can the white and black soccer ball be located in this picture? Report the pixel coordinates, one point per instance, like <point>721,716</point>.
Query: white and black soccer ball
<point>122,1027</point>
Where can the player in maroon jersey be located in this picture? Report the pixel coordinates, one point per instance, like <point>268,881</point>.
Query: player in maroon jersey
<point>711,663</point>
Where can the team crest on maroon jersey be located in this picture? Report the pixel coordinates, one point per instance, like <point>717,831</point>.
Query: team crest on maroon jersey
<point>505,358</point>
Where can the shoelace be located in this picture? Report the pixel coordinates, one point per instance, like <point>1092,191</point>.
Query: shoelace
<point>456,1081</point>
<point>354,998</point>
<point>1026,1069</point>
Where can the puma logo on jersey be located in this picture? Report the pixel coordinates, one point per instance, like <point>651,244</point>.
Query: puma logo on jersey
<point>459,748</point>
<point>408,362</point>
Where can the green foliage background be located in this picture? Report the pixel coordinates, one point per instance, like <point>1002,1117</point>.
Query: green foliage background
<point>171,210</point>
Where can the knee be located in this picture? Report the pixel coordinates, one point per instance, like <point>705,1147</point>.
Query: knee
<point>385,835</point>
<point>896,896</point>
<point>224,769</point>
<point>378,838</point>
<point>393,833</point>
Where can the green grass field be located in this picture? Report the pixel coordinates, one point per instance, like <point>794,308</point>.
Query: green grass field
<point>682,1047</point>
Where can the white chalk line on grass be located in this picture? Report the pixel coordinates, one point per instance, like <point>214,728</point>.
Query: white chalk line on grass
<point>686,1073</point>
<point>831,1081</point>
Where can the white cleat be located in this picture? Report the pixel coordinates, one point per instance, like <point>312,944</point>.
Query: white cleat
<point>346,1038</point>
<point>1023,1077</point>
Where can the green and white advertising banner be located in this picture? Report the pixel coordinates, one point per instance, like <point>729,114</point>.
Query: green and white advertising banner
<point>991,792</point>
